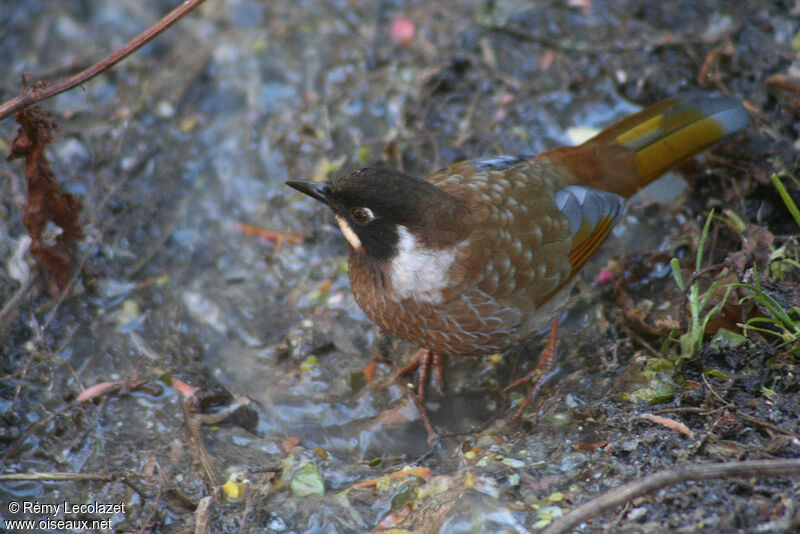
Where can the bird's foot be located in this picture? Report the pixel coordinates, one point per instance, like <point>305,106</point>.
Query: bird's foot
<point>544,370</point>
<point>422,362</point>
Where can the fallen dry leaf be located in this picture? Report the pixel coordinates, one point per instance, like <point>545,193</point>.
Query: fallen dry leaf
<point>669,423</point>
<point>46,203</point>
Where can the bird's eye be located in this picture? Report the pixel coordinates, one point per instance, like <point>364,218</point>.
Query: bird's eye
<point>362,215</point>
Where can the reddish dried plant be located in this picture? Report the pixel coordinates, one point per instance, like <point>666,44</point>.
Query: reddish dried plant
<point>46,203</point>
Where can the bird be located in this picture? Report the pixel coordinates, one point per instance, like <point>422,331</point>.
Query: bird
<point>482,255</point>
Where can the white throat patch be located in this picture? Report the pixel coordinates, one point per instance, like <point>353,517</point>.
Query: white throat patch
<point>418,272</point>
<point>348,232</point>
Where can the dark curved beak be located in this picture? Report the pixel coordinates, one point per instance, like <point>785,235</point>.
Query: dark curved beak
<point>317,190</point>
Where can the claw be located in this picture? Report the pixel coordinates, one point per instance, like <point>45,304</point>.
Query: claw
<point>543,371</point>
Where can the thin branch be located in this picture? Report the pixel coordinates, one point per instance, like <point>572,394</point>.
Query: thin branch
<point>749,418</point>
<point>670,477</point>
<point>9,309</point>
<point>195,430</point>
<point>203,523</point>
<point>58,476</point>
<point>38,93</point>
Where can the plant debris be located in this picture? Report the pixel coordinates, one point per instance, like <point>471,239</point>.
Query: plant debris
<point>46,203</point>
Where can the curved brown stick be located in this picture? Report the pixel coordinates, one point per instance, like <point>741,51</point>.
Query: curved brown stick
<point>38,93</point>
<point>670,477</point>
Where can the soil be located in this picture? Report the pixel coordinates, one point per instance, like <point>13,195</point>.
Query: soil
<point>206,365</point>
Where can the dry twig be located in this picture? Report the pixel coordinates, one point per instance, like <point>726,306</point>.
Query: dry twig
<point>194,426</point>
<point>670,477</point>
<point>41,92</point>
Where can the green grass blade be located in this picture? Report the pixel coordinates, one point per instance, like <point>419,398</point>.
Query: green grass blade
<point>786,198</point>
<point>703,239</point>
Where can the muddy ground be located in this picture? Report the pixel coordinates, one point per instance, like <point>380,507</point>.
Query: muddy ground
<point>238,387</point>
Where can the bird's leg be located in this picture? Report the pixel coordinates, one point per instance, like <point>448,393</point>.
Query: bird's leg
<point>423,360</point>
<point>438,370</point>
<point>544,369</point>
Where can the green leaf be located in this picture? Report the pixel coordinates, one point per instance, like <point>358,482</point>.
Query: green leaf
<point>307,480</point>
<point>676,273</point>
<point>786,198</point>
<point>703,238</point>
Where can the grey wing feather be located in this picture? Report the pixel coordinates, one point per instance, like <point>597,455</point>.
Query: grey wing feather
<point>581,203</point>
